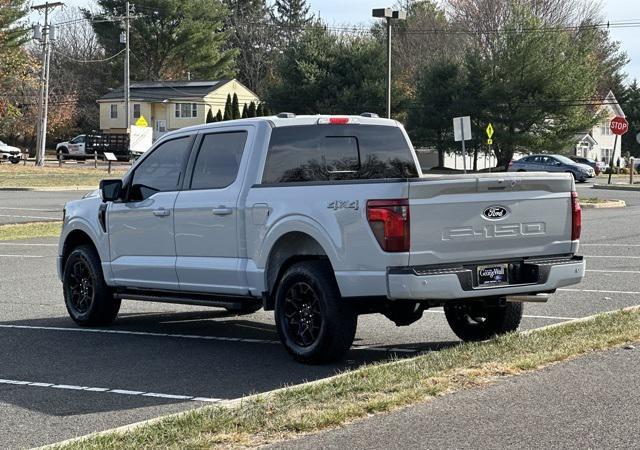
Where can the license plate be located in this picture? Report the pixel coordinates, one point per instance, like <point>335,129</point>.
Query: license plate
<point>494,275</point>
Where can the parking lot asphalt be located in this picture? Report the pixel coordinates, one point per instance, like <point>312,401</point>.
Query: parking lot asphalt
<point>18,206</point>
<point>58,381</point>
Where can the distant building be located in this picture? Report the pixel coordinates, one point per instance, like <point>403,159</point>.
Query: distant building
<point>170,105</point>
<point>598,143</point>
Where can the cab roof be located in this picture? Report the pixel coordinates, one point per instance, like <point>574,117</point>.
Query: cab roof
<point>281,120</point>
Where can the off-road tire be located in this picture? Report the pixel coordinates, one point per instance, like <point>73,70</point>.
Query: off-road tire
<point>88,299</point>
<point>333,319</point>
<point>473,321</point>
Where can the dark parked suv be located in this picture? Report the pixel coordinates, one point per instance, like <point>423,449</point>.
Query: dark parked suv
<point>552,163</point>
<point>596,165</point>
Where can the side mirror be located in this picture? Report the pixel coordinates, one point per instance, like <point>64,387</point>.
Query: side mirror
<point>110,190</point>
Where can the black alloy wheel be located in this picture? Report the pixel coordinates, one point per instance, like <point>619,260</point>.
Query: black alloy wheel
<point>314,323</point>
<point>81,286</point>
<point>88,299</point>
<point>303,314</point>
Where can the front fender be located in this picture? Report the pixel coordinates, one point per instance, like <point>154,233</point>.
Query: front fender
<point>82,216</point>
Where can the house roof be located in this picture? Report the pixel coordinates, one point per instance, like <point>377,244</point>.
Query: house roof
<point>611,101</point>
<point>157,91</point>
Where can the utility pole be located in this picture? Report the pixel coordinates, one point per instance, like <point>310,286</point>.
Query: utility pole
<point>388,14</point>
<point>43,105</point>
<point>127,77</point>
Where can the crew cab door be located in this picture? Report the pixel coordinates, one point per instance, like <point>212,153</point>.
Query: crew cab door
<point>207,215</point>
<point>141,229</point>
<point>77,146</point>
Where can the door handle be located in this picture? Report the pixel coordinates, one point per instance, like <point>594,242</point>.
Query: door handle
<point>161,212</point>
<point>222,211</point>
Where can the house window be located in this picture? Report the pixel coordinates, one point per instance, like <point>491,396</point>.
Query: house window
<point>186,110</point>
<point>605,129</point>
<point>136,111</point>
<point>114,111</point>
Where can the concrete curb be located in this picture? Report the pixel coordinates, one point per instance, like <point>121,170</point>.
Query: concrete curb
<point>50,189</point>
<point>238,401</point>
<point>607,204</point>
<point>617,187</point>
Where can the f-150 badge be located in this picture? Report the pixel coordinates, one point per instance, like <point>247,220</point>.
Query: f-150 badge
<point>344,204</point>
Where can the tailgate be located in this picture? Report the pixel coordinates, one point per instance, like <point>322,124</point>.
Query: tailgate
<point>489,217</point>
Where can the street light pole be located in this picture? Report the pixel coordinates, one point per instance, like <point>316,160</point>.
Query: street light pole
<point>388,14</point>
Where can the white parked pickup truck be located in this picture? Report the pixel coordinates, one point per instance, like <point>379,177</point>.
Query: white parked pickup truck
<point>320,219</point>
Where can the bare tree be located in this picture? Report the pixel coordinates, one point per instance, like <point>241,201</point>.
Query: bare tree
<point>80,70</point>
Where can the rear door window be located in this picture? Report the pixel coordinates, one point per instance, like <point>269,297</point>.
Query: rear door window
<point>218,160</point>
<point>308,153</point>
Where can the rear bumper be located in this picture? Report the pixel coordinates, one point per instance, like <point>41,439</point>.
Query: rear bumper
<point>452,283</point>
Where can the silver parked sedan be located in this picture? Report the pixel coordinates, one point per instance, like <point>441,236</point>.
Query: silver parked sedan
<point>552,163</point>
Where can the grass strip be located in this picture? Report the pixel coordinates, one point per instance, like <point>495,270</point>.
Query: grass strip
<point>372,389</point>
<point>19,176</point>
<point>29,230</point>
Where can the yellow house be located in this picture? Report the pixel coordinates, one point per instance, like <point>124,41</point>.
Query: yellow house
<point>170,105</point>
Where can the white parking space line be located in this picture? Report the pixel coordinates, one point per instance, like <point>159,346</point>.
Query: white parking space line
<point>184,336</point>
<point>23,244</point>
<point>529,316</point>
<point>599,291</point>
<point>611,256</point>
<point>582,244</point>
<point>31,209</point>
<point>612,271</point>
<point>30,217</point>
<point>21,256</point>
<point>71,387</point>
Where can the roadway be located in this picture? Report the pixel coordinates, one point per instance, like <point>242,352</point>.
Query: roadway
<point>59,381</point>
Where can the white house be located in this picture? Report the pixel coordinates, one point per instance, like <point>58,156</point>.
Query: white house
<point>599,142</point>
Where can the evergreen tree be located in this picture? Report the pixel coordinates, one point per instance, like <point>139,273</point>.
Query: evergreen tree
<point>228,115</point>
<point>260,110</point>
<point>292,16</point>
<point>245,111</point>
<point>235,107</point>
<point>219,116</point>
<point>252,109</point>
<point>210,117</point>
<point>631,108</point>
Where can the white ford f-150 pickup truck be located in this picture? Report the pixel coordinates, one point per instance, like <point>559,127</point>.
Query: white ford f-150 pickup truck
<point>320,219</point>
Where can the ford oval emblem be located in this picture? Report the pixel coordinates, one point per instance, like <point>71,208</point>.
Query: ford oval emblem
<point>495,212</point>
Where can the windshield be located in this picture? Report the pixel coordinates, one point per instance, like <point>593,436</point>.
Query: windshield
<point>563,159</point>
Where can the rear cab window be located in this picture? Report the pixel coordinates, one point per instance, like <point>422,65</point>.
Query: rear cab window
<point>321,153</point>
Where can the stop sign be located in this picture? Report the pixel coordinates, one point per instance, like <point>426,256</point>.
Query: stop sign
<point>619,126</point>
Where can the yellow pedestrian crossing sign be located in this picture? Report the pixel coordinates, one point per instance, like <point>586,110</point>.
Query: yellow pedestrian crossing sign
<point>142,122</point>
<point>489,131</point>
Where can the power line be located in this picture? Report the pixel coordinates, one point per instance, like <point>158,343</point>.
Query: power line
<point>82,61</point>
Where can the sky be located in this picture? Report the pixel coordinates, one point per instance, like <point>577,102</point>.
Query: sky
<point>358,12</point>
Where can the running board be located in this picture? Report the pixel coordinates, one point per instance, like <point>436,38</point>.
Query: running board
<point>198,299</point>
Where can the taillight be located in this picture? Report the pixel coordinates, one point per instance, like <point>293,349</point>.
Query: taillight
<point>389,221</point>
<point>511,163</point>
<point>576,217</point>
